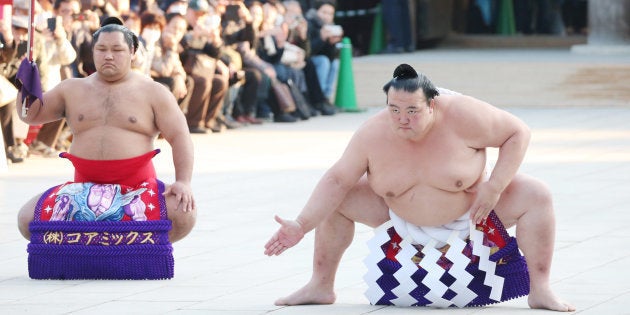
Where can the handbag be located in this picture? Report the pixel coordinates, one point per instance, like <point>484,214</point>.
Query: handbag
<point>283,96</point>
<point>302,106</point>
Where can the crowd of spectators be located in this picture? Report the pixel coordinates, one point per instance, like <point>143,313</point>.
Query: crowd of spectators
<point>222,59</point>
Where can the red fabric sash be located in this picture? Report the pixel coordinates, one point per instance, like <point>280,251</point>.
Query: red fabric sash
<point>128,172</point>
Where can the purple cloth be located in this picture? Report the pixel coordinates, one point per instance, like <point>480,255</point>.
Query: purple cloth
<point>119,250</point>
<point>29,83</point>
<point>511,265</point>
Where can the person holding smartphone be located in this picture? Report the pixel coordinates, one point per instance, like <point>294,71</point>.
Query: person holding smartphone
<point>60,53</point>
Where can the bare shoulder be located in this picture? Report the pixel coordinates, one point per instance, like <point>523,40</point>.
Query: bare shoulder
<point>373,129</point>
<point>461,108</point>
<point>73,84</point>
<point>151,89</point>
<point>374,124</point>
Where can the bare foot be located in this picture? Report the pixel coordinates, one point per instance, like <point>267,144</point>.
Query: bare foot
<point>546,299</point>
<point>309,294</point>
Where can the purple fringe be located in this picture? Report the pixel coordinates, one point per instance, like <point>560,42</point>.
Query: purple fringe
<point>58,259</point>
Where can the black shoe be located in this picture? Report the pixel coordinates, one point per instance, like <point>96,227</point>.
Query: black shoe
<point>326,108</point>
<point>284,118</point>
<point>197,130</point>
<point>13,158</point>
<point>229,123</point>
<point>314,111</point>
<point>215,129</point>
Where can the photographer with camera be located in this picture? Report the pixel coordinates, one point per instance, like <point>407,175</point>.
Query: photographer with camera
<point>79,23</point>
<point>203,45</point>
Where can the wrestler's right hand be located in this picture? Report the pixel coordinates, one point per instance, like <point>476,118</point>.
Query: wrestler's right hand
<point>183,196</point>
<point>289,234</point>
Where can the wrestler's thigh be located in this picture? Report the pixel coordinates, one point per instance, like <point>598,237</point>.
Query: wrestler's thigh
<point>363,205</point>
<point>27,214</point>
<point>522,194</point>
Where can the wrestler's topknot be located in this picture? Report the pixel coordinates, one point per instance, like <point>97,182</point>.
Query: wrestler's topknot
<point>407,79</point>
<point>113,23</point>
<point>111,20</point>
<point>405,71</point>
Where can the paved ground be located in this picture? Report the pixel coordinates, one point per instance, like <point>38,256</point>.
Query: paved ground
<point>580,147</point>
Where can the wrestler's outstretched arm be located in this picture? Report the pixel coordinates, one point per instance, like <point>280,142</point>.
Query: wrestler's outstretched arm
<point>326,197</point>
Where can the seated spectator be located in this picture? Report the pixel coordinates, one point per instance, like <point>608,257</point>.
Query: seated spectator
<point>248,50</point>
<point>204,37</point>
<point>79,24</point>
<point>15,50</point>
<point>274,48</point>
<point>324,36</point>
<point>60,53</point>
<point>8,93</point>
<point>166,66</point>
<point>298,37</point>
<point>151,26</point>
<point>238,34</point>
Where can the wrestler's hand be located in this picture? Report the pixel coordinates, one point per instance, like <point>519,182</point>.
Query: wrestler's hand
<point>183,196</point>
<point>289,234</point>
<point>485,200</point>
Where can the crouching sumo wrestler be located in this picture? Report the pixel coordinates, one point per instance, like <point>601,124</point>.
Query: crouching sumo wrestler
<point>416,171</point>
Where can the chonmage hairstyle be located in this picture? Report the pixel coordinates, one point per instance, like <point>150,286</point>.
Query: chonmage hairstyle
<point>407,79</point>
<point>114,24</point>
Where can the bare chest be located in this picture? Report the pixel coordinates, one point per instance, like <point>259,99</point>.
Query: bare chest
<point>121,108</point>
<point>448,165</point>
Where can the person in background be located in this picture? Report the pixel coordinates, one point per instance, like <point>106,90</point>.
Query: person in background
<point>60,53</point>
<point>249,50</point>
<point>8,94</point>
<point>203,42</point>
<point>238,35</point>
<point>298,36</point>
<point>15,42</point>
<point>166,65</point>
<point>398,24</point>
<point>324,37</point>
<point>151,26</point>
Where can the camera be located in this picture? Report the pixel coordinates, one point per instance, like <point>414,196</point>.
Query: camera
<point>52,24</point>
<point>295,21</point>
<point>79,17</point>
<point>335,30</point>
<point>231,12</point>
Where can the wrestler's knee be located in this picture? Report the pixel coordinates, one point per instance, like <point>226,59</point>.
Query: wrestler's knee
<point>525,194</point>
<point>182,222</point>
<point>535,191</point>
<point>26,215</point>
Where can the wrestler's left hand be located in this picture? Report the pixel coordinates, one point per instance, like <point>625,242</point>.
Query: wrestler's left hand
<point>485,200</point>
<point>183,196</point>
<point>289,234</point>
